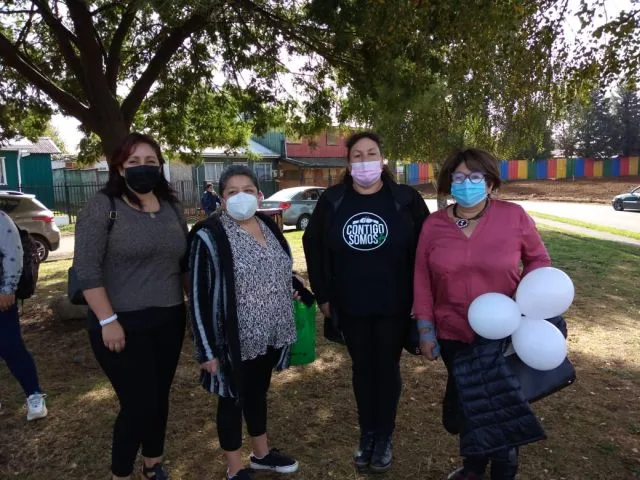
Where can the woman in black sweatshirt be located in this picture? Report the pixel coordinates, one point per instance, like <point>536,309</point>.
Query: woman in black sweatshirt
<point>360,247</point>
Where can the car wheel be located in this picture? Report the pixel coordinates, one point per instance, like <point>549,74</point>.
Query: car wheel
<point>42,248</point>
<point>617,205</point>
<point>303,222</point>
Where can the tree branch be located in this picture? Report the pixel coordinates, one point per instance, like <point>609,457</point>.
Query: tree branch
<point>115,48</point>
<point>98,91</point>
<point>65,39</point>
<point>67,102</point>
<point>166,50</point>
<point>27,26</point>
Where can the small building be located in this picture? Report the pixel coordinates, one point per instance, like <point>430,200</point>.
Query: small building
<point>26,166</point>
<point>256,156</point>
<point>319,161</point>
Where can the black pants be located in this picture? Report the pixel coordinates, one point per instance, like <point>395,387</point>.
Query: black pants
<point>375,346</point>
<point>256,377</point>
<point>141,376</point>
<point>504,464</point>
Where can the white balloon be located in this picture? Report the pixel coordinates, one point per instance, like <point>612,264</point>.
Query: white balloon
<point>539,344</point>
<point>545,293</point>
<point>494,316</point>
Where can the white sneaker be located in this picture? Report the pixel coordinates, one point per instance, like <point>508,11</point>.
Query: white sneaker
<point>36,407</point>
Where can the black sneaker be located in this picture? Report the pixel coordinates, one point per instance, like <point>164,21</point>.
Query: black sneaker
<point>463,474</point>
<point>274,461</point>
<point>382,455</point>
<point>362,456</point>
<point>244,474</point>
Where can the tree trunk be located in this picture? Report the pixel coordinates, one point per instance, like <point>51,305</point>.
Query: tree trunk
<point>111,133</point>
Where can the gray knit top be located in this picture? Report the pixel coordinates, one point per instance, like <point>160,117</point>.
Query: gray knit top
<point>139,261</point>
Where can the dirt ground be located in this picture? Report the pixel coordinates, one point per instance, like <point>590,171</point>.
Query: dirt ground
<point>596,190</point>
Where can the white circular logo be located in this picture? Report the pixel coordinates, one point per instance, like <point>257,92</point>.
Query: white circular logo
<point>365,231</point>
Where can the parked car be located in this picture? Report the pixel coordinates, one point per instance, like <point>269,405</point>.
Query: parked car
<point>296,203</point>
<point>31,215</point>
<point>627,201</point>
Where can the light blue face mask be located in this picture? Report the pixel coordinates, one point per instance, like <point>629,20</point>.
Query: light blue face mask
<point>469,194</point>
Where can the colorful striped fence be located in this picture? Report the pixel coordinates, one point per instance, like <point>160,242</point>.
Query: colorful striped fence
<point>540,169</point>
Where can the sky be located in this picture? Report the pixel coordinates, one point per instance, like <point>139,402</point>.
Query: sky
<point>68,126</point>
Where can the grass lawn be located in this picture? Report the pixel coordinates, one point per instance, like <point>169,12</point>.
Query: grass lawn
<point>593,426</point>
<point>593,226</point>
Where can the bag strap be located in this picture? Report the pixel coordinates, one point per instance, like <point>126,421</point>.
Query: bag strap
<point>113,214</point>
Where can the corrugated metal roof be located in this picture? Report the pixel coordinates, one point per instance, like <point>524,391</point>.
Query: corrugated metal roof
<point>43,145</point>
<point>253,146</point>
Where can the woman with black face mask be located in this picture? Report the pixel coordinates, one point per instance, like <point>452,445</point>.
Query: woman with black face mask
<point>129,258</point>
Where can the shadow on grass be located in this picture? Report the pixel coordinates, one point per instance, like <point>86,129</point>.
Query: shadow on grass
<point>593,425</point>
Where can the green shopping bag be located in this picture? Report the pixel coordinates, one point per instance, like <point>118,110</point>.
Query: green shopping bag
<point>303,351</point>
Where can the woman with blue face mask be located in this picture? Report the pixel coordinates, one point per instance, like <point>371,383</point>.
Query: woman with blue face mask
<point>241,309</point>
<point>475,246</point>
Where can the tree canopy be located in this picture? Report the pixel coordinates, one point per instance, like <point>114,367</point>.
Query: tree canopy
<point>429,75</point>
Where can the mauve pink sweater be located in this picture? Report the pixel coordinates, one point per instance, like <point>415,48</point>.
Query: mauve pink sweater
<point>452,270</point>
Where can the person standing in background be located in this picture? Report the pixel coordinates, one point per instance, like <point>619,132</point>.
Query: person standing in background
<point>210,200</point>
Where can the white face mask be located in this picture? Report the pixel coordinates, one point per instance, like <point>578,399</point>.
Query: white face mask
<point>242,206</point>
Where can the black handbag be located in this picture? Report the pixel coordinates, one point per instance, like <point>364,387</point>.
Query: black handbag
<point>536,384</point>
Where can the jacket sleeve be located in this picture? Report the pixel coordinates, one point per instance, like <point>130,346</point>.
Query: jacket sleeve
<point>315,250</point>
<point>92,236</point>
<point>201,279</point>
<point>422,292</point>
<point>11,255</point>
<point>533,251</point>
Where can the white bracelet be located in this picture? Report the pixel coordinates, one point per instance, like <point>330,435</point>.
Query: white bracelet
<point>109,320</point>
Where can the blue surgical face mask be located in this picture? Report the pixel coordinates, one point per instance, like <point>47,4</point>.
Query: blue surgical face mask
<point>469,194</point>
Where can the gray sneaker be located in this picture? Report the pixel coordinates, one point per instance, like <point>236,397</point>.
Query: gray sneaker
<point>36,407</point>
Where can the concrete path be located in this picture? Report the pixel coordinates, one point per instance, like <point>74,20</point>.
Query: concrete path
<point>586,231</point>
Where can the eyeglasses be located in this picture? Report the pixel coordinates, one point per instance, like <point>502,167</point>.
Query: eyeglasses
<point>474,177</point>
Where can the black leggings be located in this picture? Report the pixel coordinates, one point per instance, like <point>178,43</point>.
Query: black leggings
<point>141,376</point>
<point>256,378</point>
<point>504,463</point>
<point>375,346</point>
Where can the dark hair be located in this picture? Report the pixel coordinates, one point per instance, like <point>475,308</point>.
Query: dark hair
<point>117,187</point>
<point>208,185</point>
<point>477,160</point>
<point>387,175</point>
<point>234,171</point>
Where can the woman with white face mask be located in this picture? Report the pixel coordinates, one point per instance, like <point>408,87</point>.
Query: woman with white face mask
<point>241,309</point>
<point>360,245</point>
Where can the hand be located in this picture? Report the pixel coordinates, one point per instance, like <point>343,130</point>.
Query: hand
<point>325,308</point>
<point>113,337</point>
<point>296,295</point>
<point>211,366</point>
<point>6,302</point>
<point>429,349</point>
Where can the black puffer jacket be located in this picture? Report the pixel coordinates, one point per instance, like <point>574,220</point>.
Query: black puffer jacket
<point>494,412</point>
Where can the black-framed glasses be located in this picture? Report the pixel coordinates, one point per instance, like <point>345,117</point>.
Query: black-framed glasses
<point>474,177</point>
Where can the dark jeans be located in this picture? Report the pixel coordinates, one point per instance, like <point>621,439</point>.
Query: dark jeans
<point>504,464</point>
<point>15,354</point>
<point>375,346</point>
<point>141,376</point>
<point>256,377</point>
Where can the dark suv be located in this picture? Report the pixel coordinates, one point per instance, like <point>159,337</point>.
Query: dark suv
<point>31,215</point>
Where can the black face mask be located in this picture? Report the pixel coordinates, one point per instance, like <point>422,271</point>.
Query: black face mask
<point>143,178</point>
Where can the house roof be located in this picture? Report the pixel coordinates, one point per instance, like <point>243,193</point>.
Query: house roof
<point>254,147</point>
<point>318,162</point>
<point>43,145</point>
